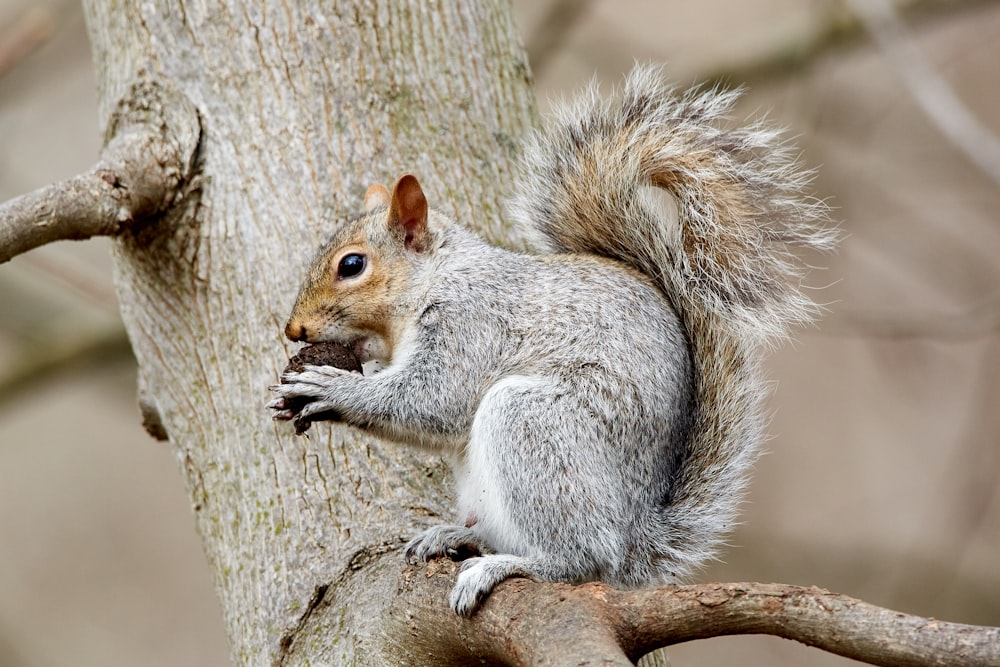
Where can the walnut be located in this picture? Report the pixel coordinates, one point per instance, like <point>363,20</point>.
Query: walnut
<point>318,354</point>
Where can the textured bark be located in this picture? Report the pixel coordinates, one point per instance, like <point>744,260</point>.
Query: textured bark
<point>303,106</point>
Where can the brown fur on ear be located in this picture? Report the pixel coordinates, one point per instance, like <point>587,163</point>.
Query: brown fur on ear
<point>376,196</point>
<point>408,213</point>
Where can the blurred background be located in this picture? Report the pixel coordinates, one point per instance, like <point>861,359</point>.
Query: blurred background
<point>881,480</point>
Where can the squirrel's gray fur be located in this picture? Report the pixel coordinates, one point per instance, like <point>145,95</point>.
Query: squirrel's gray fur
<point>600,401</point>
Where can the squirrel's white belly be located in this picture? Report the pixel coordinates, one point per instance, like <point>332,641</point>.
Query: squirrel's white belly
<point>480,471</point>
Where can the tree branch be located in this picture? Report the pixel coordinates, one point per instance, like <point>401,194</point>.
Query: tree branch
<point>148,158</point>
<point>829,621</point>
<point>529,623</point>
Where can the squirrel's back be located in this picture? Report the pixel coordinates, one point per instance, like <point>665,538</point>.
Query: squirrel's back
<point>712,215</point>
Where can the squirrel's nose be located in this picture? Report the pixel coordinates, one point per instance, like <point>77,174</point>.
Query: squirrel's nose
<point>295,331</point>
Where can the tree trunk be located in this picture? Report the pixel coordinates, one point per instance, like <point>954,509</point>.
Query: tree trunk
<point>302,106</point>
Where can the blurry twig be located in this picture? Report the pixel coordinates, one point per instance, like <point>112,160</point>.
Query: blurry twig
<point>979,320</point>
<point>553,31</point>
<point>934,96</point>
<point>976,461</point>
<point>37,364</point>
<point>838,29</point>
<point>74,277</point>
<point>29,31</point>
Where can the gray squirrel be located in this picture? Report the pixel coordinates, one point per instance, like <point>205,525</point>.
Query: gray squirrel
<point>598,400</point>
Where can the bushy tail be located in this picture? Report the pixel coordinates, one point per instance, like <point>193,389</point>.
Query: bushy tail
<point>712,215</point>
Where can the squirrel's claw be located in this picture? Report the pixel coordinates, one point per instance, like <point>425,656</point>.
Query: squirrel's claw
<point>319,411</point>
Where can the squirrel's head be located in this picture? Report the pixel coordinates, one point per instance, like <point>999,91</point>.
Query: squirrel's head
<point>358,288</point>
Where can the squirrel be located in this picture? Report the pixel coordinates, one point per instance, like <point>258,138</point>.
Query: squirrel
<point>599,400</point>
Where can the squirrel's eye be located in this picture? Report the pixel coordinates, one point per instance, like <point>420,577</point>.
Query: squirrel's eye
<point>351,265</point>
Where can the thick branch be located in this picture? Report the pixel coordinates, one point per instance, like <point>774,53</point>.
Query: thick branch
<point>147,159</point>
<point>528,623</point>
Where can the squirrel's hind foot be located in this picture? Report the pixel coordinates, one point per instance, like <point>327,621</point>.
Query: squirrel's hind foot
<point>454,542</point>
<point>477,577</point>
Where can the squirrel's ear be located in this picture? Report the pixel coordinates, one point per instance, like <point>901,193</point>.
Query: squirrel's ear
<point>408,213</point>
<point>376,196</point>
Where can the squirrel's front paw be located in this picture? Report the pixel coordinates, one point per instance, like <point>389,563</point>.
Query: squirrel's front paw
<point>295,391</point>
<point>307,396</point>
<point>292,401</point>
<point>291,398</point>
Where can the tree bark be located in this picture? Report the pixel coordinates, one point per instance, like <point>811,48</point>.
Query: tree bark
<point>303,106</point>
